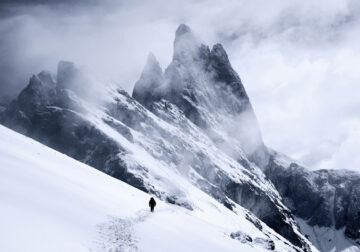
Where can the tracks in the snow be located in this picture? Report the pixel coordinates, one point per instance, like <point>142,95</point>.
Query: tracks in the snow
<point>117,235</point>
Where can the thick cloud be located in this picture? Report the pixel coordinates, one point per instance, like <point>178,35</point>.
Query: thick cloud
<point>298,59</point>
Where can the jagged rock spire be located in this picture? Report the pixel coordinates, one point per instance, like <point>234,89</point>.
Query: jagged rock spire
<point>218,52</point>
<point>151,78</point>
<point>199,82</point>
<point>182,29</point>
<point>186,46</point>
<point>152,67</point>
<point>39,92</point>
<point>34,82</point>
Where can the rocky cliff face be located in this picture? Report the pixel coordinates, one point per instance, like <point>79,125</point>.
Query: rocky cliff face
<point>202,84</point>
<point>127,141</point>
<point>190,125</point>
<point>115,140</point>
<point>325,198</point>
<point>54,115</point>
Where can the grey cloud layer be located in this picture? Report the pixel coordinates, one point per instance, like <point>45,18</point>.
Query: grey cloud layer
<point>298,60</point>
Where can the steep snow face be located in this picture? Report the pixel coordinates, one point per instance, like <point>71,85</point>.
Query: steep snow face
<point>50,202</point>
<point>202,83</point>
<point>325,198</point>
<point>188,150</point>
<point>158,153</point>
<point>191,137</point>
<point>201,94</point>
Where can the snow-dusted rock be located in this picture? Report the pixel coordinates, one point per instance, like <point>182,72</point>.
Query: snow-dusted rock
<point>200,86</point>
<point>50,202</point>
<point>130,143</point>
<point>189,128</point>
<point>325,198</point>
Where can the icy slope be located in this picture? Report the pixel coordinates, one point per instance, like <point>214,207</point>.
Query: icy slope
<point>50,202</point>
<point>159,154</point>
<point>161,148</point>
<point>202,83</point>
<point>185,132</point>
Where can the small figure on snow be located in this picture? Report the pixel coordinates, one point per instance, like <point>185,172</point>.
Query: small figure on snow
<point>152,204</point>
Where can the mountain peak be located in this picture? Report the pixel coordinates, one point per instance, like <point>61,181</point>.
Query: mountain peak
<point>151,57</point>
<point>220,54</point>
<point>151,78</point>
<point>186,45</point>
<point>34,83</point>
<point>152,64</point>
<point>182,29</point>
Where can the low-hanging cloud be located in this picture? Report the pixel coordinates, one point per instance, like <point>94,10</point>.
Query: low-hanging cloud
<point>298,60</point>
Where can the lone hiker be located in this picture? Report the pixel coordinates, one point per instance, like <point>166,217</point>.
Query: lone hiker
<point>152,204</point>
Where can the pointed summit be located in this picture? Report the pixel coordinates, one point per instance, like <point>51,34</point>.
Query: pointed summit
<point>151,78</point>
<point>152,65</point>
<point>218,52</point>
<point>36,95</point>
<point>151,57</point>
<point>182,29</point>
<point>186,45</point>
<point>35,83</point>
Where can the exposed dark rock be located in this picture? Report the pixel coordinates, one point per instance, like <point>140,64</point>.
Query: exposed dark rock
<point>242,237</point>
<point>196,118</point>
<point>147,87</point>
<point>51,114</point>
<point>266,243</point>
<point>204,86</point>
<point>324,198</point>
<point>264,207</point>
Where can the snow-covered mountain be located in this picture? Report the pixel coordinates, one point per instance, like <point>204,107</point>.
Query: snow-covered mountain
<point>204,86</point>
<point>51,202</point>
<point>188,129</point>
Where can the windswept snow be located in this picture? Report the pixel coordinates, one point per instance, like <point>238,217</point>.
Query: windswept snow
<point>50,202</point>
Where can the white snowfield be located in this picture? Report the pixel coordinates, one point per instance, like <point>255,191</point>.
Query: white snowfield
<point>51,202</point>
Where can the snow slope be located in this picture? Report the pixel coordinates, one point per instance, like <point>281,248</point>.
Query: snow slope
<point>166,155</point>
<point>50,202</point>
<point>187,135</point>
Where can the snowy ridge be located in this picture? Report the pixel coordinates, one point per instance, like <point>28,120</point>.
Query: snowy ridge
<point>189,136</point>
<point>149,150</point>
<point>54,203</point>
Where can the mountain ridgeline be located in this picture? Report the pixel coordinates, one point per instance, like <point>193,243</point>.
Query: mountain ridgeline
<point>193,119</point>
<point>204,86</point>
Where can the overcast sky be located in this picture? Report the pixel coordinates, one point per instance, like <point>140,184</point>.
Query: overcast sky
<point>299,60</point>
